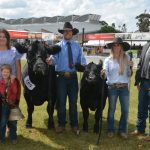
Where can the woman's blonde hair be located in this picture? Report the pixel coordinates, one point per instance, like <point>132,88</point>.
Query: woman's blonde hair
<point>122,60</point>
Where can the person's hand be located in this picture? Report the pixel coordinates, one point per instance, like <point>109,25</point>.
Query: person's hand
<point>49,60</point>
<point>11,103</point>
<point>138,87</point>
<point>130,63</point>
<point>103,74</point>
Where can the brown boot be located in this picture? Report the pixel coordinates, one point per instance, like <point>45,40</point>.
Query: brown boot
<point>137,133</point>
<point>76,130</point>
<point>147,138</point>
<point>14,142</point>
<point>60,129</point>
<point>123,135</point>
<point>110,134</point>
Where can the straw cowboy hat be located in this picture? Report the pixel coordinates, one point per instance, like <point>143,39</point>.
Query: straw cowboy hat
<point>68,26</point>
<point>118,40</point>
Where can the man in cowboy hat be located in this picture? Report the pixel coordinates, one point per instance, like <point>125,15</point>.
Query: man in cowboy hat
<point>67,83</point>
<point>142,81</point>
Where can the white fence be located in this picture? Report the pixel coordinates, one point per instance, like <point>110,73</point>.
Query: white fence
<point>96,60</point>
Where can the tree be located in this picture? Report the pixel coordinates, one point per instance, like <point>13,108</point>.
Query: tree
<point>113,25</point>
<point>108,29</point>
<point>2,19</point>
<point>103,23</point>
<point>143,22</point>
<point>124,28</point>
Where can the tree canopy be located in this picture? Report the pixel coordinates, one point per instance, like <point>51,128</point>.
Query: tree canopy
<point>143,22</point>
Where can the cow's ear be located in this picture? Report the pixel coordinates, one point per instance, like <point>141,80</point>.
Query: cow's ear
<point>21,48</point>
<point>79,67</point>
<point>100,62</point>
<point>52,50</point>
<point>100,65</point>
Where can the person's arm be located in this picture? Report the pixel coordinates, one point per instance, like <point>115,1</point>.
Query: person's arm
<point>129,65</point>
<point>53,58</point>
<point>106,66</point>
<point>138,75</point>
<point>18,70</point>
<point>81,58</point>
<point>81,61</point>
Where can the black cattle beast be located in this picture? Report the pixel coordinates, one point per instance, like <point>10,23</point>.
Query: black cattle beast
<point>91,94</point>
<point>38,80</point>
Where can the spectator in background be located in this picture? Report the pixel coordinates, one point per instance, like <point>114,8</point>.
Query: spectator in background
<point>100,48</point>
<point>142,81</point>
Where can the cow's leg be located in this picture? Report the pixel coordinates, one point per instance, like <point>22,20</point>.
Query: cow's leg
<point>50,111</point>
<point>97,120</point>
<point>85,118</point>
<point>30,109</point>
<point>51,96</point>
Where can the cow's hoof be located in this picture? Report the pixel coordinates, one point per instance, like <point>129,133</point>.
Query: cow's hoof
<point>51,124</point>
<point>96,128</point>
<point>85,127</point>
<point>51,127</point>
<point>85,130</point>
<point>28,126</point>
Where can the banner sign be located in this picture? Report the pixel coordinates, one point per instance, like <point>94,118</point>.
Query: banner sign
<point>18,34</point>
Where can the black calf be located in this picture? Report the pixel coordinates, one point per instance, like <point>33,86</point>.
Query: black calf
<point>91,94</point>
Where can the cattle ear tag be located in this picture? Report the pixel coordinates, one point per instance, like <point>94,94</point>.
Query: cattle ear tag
<point>28,83</point>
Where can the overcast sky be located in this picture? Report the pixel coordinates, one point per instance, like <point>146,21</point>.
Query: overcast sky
<point>111,11</point>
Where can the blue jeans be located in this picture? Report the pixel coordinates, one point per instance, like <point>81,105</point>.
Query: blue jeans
<point>67,86</point>
<point>113,94</point>
<point>3,123</point>
<point>143,103</point>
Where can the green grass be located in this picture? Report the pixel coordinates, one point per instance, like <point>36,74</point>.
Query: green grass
<point>39,138</point>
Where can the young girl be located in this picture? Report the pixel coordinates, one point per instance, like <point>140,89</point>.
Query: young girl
<point>9,91</point>
<point>118,71</point>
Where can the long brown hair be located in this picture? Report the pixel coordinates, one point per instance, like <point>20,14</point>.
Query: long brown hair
<point>122,60</point>
<point>7,35</point>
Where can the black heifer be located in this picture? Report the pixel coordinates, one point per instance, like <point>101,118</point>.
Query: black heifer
<point>39,80</point>
<point>91,94</point>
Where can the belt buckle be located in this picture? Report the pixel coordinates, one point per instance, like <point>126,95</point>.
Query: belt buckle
<point>117,85</point>
<point>67,74</point>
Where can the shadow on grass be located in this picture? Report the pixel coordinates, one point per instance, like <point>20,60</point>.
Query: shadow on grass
<point>40,138</point>
<point>25,143</point>
<point>87,141</point>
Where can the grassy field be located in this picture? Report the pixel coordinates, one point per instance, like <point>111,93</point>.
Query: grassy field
<point>39,138</point>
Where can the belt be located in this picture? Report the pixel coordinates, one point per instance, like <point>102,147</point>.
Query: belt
<point>66,74</point>
<point>119,85</point>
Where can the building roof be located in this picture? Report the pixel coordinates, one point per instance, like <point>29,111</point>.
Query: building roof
<point>53,27</point>
<point>55,19</point>
<point>69,18</point>
<point>90,23</point>
<point>6,26</point>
